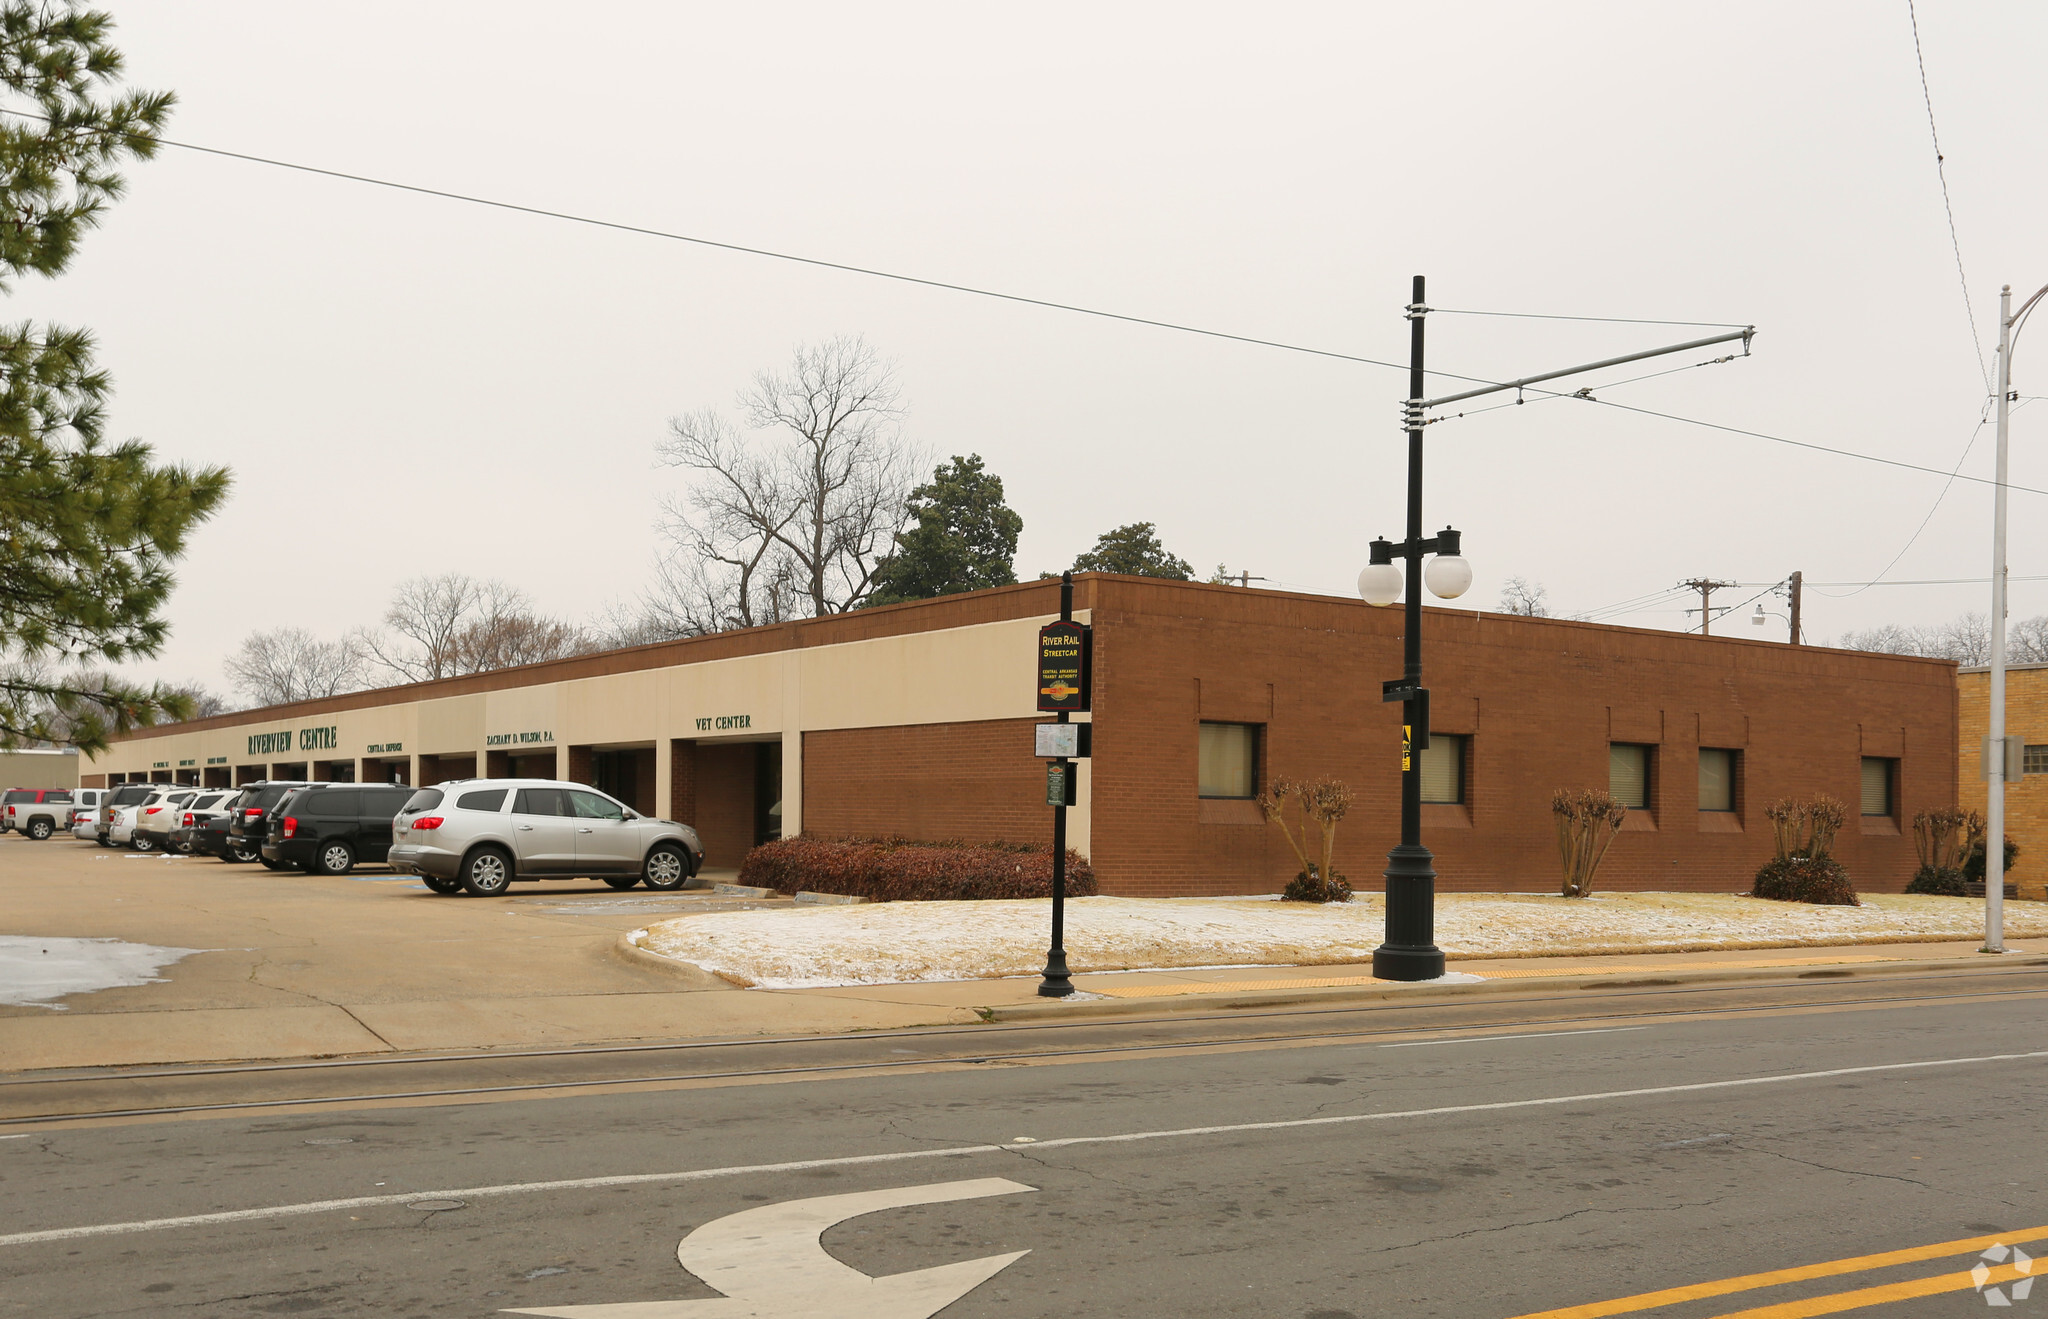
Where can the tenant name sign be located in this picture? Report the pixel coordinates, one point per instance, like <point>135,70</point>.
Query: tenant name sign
<point>1063,667</point>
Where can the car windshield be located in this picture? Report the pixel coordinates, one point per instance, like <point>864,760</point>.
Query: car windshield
<point>18,795</point>
<point>426,799</point>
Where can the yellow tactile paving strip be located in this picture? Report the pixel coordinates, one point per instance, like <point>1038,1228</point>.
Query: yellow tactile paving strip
<point>1112,990</point>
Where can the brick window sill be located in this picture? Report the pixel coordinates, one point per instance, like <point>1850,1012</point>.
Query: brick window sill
<point>1879,824</point>
<point>1446,815</point>
<point>1720,822</point>
<point>1638,820</point>
<point>1229,810</point>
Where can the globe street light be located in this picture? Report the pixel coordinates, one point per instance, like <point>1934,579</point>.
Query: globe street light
<point>1410,951</point>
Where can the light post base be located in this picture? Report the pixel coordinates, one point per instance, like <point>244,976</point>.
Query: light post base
<point>1410,952</point>
<point>1058,982</point>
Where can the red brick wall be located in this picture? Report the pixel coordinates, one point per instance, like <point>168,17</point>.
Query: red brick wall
<point>1541,699</point>
<point>725,802</point>
<point>682,780</point>
<point>440,769</point>
<point>976,781</point>
<point>643,781</point>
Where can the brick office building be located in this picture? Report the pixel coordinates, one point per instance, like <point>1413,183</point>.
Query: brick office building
<point>916,720</point>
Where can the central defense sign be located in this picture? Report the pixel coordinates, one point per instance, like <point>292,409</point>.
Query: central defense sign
<point>1063,676</point>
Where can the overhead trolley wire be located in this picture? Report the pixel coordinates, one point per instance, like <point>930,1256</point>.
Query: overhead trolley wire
<point>1609,320</point>
<point>1941,173</point>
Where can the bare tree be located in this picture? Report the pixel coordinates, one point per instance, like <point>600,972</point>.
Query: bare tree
<point>795,525</point>
<point>291,664</point>
<point>1965,639</point>
<point>439,627</point>
<point>504,632</point>
<point>1518,595</point>
<point>205,702</point>
<point>425,618</point>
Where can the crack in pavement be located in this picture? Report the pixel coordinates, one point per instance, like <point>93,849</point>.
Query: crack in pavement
<point>1846,1172</point>
<point>1545,1222</point>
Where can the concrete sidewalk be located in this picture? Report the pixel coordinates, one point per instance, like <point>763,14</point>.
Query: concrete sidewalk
<point>297,966</point>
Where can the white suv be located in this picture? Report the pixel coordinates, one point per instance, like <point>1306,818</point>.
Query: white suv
<point>481,834</point>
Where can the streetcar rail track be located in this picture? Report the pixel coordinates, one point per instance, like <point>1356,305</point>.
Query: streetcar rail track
<point>966,1057</point>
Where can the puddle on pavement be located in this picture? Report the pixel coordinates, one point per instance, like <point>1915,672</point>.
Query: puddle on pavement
<point>35,971</point>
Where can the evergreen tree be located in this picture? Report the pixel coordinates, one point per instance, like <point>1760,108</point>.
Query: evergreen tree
<point>965,537</point>
<point>1134,549</point>
<point>88,529</point>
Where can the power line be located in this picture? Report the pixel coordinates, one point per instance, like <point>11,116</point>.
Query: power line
<point>818,262</point>
<point>1806,444</point>
<point>1946,486</point>
<point>1941,172</point>
<point>847,268</point>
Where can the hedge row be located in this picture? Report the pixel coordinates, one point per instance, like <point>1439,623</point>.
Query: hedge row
<point>900,870</point>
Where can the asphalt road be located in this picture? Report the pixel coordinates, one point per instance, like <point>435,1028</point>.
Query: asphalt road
<point>1486,1170</point>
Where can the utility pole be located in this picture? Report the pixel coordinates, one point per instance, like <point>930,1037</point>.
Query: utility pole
<point>1706,588</point>
<point>1997,767</point>
<point>1245,578</point>
<point>1797,578</point>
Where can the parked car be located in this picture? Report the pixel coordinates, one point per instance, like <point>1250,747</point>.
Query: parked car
<point>163,825</point>
<point>127,794</point>
<point>481,834</point>
<point>85,813</point>
<point>251,819</point>
<point>146,825</point>
<point>37,812</point>
<point>327,829</point>
<point>204,832</point>
<point>156,818</point>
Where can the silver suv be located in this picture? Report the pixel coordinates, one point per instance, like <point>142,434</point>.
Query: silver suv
<point>481,834</point>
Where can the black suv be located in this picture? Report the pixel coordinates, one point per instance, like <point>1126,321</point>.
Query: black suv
<point>250,823</point>
<point>329,827</point>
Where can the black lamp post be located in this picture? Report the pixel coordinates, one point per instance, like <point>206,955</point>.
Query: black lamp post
<point>1410,951</point>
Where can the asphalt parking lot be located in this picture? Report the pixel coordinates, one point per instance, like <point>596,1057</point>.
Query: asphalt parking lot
<point>289,965</point>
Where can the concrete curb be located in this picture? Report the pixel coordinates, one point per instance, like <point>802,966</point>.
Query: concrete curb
<point>625,950</point>
<point>1282,996</point>
<point>1343,994</point>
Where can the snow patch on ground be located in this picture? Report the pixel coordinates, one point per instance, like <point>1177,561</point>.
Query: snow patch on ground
<point>34,971</point>
<point>893,942</point>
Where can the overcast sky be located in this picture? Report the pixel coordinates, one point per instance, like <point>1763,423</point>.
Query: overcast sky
<point>404,384</point>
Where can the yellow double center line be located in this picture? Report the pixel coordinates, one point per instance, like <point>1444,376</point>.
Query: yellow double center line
<point>1830,1304</point>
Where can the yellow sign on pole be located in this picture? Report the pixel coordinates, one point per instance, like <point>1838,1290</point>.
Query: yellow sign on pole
<point>1407,744</point>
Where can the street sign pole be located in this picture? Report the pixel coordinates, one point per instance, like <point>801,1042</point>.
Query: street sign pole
<point>1063,686</point>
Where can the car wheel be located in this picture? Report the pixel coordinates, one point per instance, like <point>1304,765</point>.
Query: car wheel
<point>39,829</point>
<point>139,843</point>
<point>103,840</point>
<point>335,858</point>
<point>241,854</point>
<point>620,881</point>
<point>667,868</point>
<point>487,872</point>
<point>441,884</point>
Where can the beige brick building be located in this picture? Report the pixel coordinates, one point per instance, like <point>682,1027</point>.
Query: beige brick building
<point>2026,801</point>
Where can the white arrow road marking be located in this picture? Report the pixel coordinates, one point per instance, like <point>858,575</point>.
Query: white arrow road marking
<point>771,1264</point>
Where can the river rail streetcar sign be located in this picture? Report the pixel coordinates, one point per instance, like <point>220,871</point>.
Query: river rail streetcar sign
<point>1063,667</point>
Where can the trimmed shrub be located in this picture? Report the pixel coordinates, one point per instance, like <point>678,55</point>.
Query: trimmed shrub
<point>1309,886</point>
<point>1973,865</point>
<point>1587,822</point>
<point>1940,881</point>
<point>1802,871</point>
<point>902,870</point>
<point>1820,880</point>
